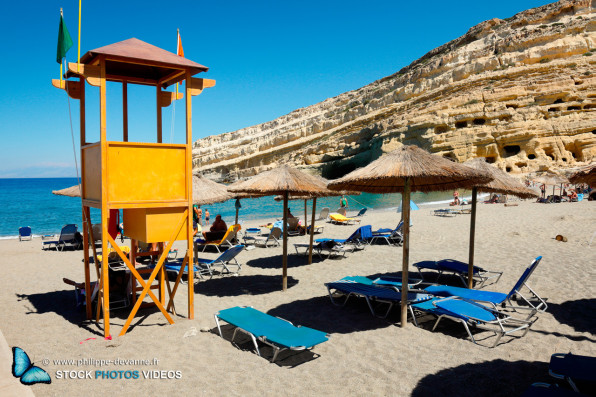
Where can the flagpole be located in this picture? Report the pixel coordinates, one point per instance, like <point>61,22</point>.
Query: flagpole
<point>61,16</point>
<point>79,50</point>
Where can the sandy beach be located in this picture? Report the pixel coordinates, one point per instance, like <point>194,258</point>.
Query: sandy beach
<point>364,356</point>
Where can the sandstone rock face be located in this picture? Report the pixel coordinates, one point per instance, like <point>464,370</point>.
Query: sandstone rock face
<point>519,92</point>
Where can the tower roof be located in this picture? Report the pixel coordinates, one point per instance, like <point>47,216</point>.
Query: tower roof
<point>141,61</point>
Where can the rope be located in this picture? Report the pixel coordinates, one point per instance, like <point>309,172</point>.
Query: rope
<point>360,202</point>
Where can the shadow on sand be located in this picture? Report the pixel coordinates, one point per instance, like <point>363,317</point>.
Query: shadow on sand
<point>319,313</point>
<point>63,304</point>
<point>275,262</point>
<point>286,358</point>
<point>242,285</point>
<point>490,378</point>
<point>578,314</point>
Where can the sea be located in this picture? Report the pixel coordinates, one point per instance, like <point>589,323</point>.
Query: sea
<point>30,202</point>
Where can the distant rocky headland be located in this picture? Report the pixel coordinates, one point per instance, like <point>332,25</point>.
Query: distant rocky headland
<point>519,92</point>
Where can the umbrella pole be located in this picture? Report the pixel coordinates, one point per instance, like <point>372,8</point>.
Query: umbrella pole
<point>305,214</point>
<point>472,234</point>
<point>312,229</point>
<point>236,221</point>
<point>285,244</point>
<point>406,253</point>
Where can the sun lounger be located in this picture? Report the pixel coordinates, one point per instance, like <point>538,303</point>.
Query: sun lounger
<point>68,238</point>
<point>472,314</point>
<point>324,214</point>
<point>384,281</point>
<point>578,371</point>
<point>227,241</point>
<point>271,239</point>
<point>446,212</point>
<point>340,219</point>
<point>25,233</point>
<point>391,236</point>
<point>358,239</point>
<point>496,298</point>
<point>460,269</point>
<point>326,248</point>
<point>205,266</point>
<point>373,294</point>
<point>360,213</point>
<point>273,331</point>
<point>547,390</point>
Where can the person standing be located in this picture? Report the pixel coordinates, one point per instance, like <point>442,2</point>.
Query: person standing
<point>207,217</point>
<point>343,202</point>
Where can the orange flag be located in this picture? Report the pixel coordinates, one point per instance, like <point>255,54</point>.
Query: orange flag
<point>179,49</point>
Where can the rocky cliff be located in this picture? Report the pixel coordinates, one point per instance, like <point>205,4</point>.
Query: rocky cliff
<point>519,92</point>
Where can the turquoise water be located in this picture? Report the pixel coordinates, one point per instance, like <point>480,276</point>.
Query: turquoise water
<point>30,202</point>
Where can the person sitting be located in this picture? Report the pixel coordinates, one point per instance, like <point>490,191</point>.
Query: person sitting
<point>573,196</point>
<point>493,199</point>
<point>218,226</point>
<point>455,198</point>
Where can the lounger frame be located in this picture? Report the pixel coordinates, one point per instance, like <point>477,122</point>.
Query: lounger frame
<point>277,348</point>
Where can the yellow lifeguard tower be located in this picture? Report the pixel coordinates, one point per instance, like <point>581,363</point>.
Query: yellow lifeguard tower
<point>150,182</point>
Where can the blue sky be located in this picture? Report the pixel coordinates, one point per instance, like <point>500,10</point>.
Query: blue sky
<point>268,57</point>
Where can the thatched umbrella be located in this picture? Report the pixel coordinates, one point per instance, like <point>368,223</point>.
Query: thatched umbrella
<point>586,174</point>
<point>409,169</point>
<point>551,178</point>
<point>502,183</point>
<point>281,180</point>
<point>73,191</point>
<point>206,191</point>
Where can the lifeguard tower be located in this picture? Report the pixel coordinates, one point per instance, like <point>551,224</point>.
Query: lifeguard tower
<point>150,182</point>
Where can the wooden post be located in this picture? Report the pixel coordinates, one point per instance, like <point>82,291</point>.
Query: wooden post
<point>305,214</point>
<point>85,210</point>
<point>124,111</point>
<point>236,219</point>
<point>82,120</point>
<point>86,225</point>
<point>133,261</point>
<point>405,204</point>
<point>472,235</point>
<point>285,244</point>
<point>312,229</point>
<point>159,126</point>
<point>162,277</point>
<point>104,197</point>
<point>189,230</point>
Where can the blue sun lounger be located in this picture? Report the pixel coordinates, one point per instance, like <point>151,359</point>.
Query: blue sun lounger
<point>25,233</point>
<point>273,331</point>
<point>68,237</point>
<point>371,293</point>
<point>495,298</point>
<point>205,266</point>
<point>358,239</point>
<point>460,269</point>
<point>391,236</point>
<point>473,314</point>
<point>578,371</point>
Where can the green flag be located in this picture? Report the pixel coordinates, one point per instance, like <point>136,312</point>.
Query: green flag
<point>64,41</point>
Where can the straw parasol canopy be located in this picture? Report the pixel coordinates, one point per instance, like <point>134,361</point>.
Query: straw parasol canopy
<point>404,170</point>
<point>502,183</point>
<point>282,180</point>
<point>551,178</point>
<point>73,191</point>
<point>426,173</point>
<point>206,191</point>
<point>585,175</point>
